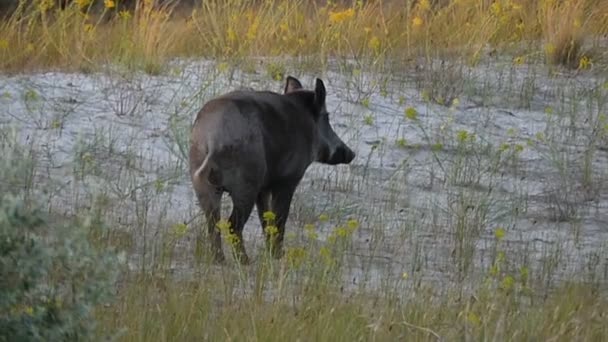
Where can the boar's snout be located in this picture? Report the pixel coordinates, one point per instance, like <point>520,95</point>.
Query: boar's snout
<point>342,155</point>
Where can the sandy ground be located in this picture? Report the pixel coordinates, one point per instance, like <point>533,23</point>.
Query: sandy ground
<point>117,142</point>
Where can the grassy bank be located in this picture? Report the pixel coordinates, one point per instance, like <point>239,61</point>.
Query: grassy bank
<point>87,34</point>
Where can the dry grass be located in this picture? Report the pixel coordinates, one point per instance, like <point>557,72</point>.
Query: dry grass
<point>44,35</point>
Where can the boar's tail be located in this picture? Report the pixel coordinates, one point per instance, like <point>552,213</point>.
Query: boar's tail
<point>207,169</point>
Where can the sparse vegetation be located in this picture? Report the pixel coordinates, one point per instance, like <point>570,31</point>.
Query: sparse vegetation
<point>474,209</point>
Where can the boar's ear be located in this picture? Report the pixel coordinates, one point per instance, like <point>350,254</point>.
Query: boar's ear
<point>319,94</point>
<point>292,84</point>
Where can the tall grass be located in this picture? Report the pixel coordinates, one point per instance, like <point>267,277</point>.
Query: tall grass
<point>38,34</point>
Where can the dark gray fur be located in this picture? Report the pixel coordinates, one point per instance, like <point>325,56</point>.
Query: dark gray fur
<point>256,146</point>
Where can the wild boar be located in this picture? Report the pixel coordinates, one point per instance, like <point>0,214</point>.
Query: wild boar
<point>256,146</point>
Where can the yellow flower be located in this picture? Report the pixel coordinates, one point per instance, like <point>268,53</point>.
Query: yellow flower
<point>223,225</point>
<point>499,233</point>
<point>45,5</point>
<point>405,275</point>
<point>252,32</point>
<point>411,113</point>
<point>473,318</point>
<point>269,216</point>
<point>496,8</point>
<point>231,35</point>
<point>417,22</point>
<point>342,232</point>
<point>540,136</point>
<point>519,148</point>
<point>352,224</point>
<point>3,44</point>
<point>584,63</point>
<point>374,43</point>
<point>271,230</point>
<point>179,229</point>
<point>222,67</point>
<point>326,255</point>
<point>507,283</point>
<point>462,135</point>
<point>339,17</point>
<point>424,5</point>
<point>296,256</point>
<point>109,4</point>
<point>504,147</point>
<point>124,15</point>
<point>83,3</point>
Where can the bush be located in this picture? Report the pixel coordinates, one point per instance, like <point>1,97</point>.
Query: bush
<point>51,278</point>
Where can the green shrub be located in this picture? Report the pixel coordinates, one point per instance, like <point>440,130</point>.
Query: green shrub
<point>51,278</point>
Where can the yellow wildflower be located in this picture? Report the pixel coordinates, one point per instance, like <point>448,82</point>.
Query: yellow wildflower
<point>109,4</point>
<point>83,3</point>
<point>340,17</point>
<point>374,44</point>
<point>584,63</point>
<point>507,283</point>
<point>252,32</point>
<point>411,113</point>
<point>231,35</point>
<point>424,5</point>
<point>462,135</point>
<point>179,229</point>
<point>473,318</point>
<point>271,230</point>
<point>296,256</point>
<point>519,148</point>
<point>499,233</point>
<point>352,224</point>
<point>269,216</point>
<point>342,232</point>
<point>504,147</point>
<point>222,67</point>
<point>124,15</point>
<point>3,44</point>
<point>417,22</point>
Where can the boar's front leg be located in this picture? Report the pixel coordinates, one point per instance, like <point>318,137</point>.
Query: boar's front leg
<point>280,203</point>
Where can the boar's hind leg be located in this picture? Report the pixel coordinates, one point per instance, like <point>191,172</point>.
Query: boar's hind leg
<point>242,205</point>
<point>210,201</point>
<point>281,201</point>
